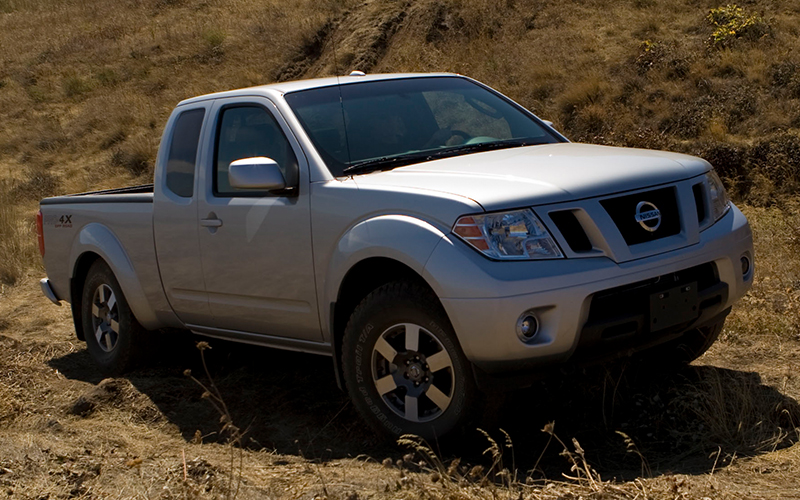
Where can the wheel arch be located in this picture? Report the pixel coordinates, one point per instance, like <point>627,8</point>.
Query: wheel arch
<point>96,241</point>
<point>359,281</point>
<point>80,271</point>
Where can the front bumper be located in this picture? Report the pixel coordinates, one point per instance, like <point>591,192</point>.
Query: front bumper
<point>484,309</point>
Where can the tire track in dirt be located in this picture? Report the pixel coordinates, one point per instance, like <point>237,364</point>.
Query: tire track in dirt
<point>356,40</point>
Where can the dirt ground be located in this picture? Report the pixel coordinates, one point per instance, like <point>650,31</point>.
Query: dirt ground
<point>725,427</point>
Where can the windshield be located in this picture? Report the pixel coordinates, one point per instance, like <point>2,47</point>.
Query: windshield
<point>401,121</point>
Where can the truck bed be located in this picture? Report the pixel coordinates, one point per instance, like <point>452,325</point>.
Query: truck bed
<point>131,194</point>
<point>114,224</point>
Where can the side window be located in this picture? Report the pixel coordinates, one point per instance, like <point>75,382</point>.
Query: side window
<point>183,152</point>
<point>247,132</point>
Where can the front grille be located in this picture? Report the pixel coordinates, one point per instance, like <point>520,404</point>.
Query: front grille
<point>622,314</point>
<point>623,212</point>
<point>699,202</point>
<point>571,230</point>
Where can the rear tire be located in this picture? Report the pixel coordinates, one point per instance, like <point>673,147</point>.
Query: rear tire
<point>403,367</point>
<point>113,336</point>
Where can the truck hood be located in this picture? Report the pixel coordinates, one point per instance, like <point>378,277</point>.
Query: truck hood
<point>538,175</point>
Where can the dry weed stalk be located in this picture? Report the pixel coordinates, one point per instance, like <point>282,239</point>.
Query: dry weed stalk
<point>234,434</point>
<point>631,447</point>
<point>498,482</point>
<point>740,415</point>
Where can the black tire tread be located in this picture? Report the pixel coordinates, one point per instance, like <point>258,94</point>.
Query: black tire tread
<point>133,340</point>
<point>685,349</point>
<point>384,298</point>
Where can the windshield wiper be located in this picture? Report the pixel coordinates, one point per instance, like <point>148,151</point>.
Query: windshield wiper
<point>386,162</point>
<point>390,162</point>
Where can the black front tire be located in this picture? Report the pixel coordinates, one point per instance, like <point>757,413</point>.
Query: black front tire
<point>113,336</point>
<point>686,348</point>
<point>434,374</point>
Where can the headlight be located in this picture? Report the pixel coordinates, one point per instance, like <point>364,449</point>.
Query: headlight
<point>515,235</point>
<point>720,203</point>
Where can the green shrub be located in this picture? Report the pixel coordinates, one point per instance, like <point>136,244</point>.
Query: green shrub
<point>213,40</point>
<point>650,53</point>
<point>732,22</point>
<point>37,93</point>
<point>74,86</point>
<point>107,77</point>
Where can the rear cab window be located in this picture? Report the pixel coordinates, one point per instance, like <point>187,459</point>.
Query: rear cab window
<point>183,152</point>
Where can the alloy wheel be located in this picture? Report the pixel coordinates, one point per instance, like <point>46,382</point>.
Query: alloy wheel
<point>105,317</point>
<point>413,372</point>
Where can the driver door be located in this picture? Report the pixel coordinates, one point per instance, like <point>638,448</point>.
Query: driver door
<point>256,245</point>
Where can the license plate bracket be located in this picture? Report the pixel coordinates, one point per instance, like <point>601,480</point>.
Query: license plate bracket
<point>674,306</point>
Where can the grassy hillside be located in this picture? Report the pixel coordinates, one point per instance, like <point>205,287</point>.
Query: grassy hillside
<point>86,86</point>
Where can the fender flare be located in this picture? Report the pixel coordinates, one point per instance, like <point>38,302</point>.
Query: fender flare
<point>403,238</point>
<point>99,239</point>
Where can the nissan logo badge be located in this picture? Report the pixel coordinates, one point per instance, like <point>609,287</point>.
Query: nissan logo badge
<point>648,216</point>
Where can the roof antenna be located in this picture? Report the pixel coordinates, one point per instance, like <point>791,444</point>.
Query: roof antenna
<point>341,103</point>
<point>335,62</point>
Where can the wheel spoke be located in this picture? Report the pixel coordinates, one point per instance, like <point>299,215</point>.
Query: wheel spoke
<point>439,398</point>
<point>412,411</point>
<point>95,310</point>
<point>412,337</point>
<point>385,384</point>
<point>111,301</point>
<point>439,361</point>
<point>108,341</point>
<point>98,334</point>
<point>102,291</point>
<point>115,326</point>
<point>386,350</point>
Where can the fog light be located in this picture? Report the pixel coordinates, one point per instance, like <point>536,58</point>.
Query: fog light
<point>527,326</point>
<point>745,265</point>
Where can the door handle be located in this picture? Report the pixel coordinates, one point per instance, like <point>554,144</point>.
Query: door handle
<point>211,221</point>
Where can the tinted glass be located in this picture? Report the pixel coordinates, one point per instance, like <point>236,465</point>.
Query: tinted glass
<point>248,132</point>
<point>183,152</point>
<point>395,117</point>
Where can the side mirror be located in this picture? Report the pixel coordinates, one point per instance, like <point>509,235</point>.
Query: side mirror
<point>256,173</point>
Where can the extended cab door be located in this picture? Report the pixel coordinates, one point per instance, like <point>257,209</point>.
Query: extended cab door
<point>256,245</point>
<point>175,214</point>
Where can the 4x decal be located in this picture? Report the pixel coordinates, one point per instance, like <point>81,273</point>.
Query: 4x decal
<point>63,221</point>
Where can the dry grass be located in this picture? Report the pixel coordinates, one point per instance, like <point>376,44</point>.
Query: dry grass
<point>18,252</point>
<point>772,307</point>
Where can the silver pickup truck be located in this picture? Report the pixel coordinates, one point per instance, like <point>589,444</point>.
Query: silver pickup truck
<point>432,236</point>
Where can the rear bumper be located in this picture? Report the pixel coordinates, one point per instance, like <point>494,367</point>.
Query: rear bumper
<point>561,294</point>
<point>48,291</point>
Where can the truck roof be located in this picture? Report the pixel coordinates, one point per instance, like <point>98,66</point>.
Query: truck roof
<point>294,86</point>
